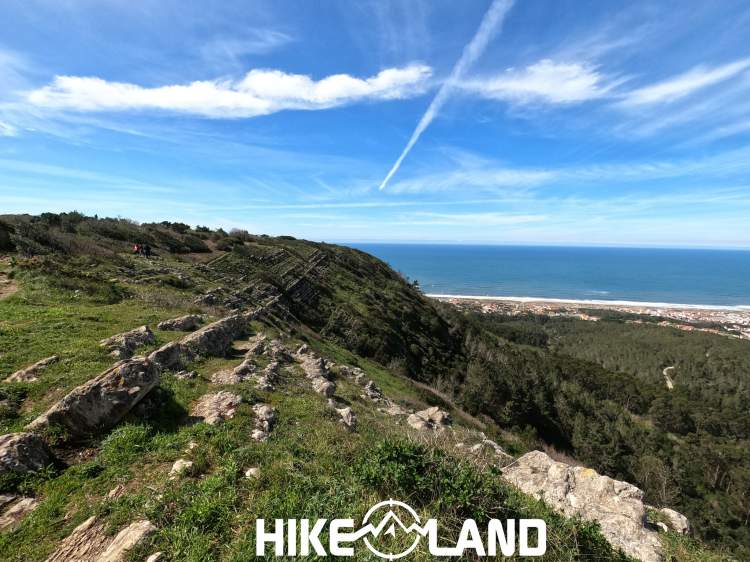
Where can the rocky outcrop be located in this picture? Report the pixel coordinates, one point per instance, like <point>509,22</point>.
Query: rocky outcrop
<point>15,512</point>
<point>324,387</point>
<point>100,403</point>
<point>674,521</point>
<point>89,542</point>
<point>213,340</point>
<point>32,372</point>
<point>430,419</point>
<point>216,338</point>
<point>265,418</point>
<point>215,408</point>
<point>186,323</point>
<point>185,375</point>
<point>123,346</point>
<point>577,491</point>
<point>23,452</point>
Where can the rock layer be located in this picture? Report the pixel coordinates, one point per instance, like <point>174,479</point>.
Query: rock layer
<point>577,491</point>
<point>31,373</point>
<point>100,403</point>
<point>186,323</point>
<point>123,346</point>
<point>23,452</point>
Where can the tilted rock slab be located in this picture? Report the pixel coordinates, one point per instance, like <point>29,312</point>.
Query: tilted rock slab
<point>573,490</point>
<point>186,323</point>
<point>31,373</point>
<point>214,339</point>
<point>89,543</point>
<point>123,345</point>
<point>23,452</point>
<point>215,408</point>
<point>14,515</point>
<point>100,403</point>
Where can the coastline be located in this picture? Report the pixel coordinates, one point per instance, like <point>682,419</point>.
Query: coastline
<point>596,303</point>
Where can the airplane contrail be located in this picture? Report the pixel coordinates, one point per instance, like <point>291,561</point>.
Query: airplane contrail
<point>492,20</point>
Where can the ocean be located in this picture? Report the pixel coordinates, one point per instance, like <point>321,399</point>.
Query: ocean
<point>707,277</point>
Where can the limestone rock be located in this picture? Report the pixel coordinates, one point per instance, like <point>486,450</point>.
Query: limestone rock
<point>265,418</point>
<point>215,408</point>
<point>576,491</point>
<point>170,356</point>
<point>89,542</point>
<point>324,387</point>
<point>185,375</point>
<point>372,392</point>
<point>432,418</point>
<point>100,403</point>
<point>13,515</point>
<point>122,346</point>
<point>180,467</point>
<point>488,449</point>
<point>155,557</point>
<point>23,452</point>
<point>216,338</point>
<point>252,473</point>
<point>347,417</point>
<point>186,323</point>
<point>31,373</point>
<point>675,521</point>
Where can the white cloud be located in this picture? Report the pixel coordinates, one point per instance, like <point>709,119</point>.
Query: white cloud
<point>260,92</point>
<point>684,84</point>
<point>254,42</point>
<point>482,178</point>
<point>546,81</point>
<point>7,130</point>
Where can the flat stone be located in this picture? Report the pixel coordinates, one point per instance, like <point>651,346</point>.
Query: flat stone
<point>89,542</point>
<point>14,514</point>
<point>215,408</point>
<point>179,468</point>
<point>31,373</point>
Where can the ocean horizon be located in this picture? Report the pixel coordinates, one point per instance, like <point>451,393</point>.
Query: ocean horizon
<point>591,274</point>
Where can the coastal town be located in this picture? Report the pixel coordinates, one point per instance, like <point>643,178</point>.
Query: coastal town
<point>726,321</point>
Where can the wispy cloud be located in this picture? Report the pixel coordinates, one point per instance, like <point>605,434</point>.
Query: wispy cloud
<point>260,92</point>
<point>470,219</point>
<point>684,84</point>
<point>253,42</point>
<point>546,81</point>
<point>7,130</point>
<point>492,20</point>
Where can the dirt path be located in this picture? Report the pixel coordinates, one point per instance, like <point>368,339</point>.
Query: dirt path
<point>668,378</point>
<point>7,286</point>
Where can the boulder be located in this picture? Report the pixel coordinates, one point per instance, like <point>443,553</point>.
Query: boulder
<point>215,408</point>
<point>31,373</point>
<point>432,419</point>
<point>170,356</point>
<point>14,515</point>
<point>675,521</point>
<point>123,346</point>
<point>89,542</point>
<point>179,468</point>
<point>100,403</point>
<point>347,417</point>
<point>372,392</point>
<point>186,323</point>
<point>23,452</point>
<point>577,491</point>
<point>324,387</point>
<point>265,418</point>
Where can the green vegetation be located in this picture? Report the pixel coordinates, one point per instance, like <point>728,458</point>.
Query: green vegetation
<point>527,382</point>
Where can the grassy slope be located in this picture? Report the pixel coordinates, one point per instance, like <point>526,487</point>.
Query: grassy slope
<point>310,467</point>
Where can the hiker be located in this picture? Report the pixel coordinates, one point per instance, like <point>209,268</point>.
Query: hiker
<point>147,251</point>
<point>136,248</point>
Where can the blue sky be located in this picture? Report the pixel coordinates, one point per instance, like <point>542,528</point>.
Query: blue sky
<point>539,121</point>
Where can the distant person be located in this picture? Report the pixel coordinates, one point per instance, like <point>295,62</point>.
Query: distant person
<point>136,248</point>
<point>147,251</point>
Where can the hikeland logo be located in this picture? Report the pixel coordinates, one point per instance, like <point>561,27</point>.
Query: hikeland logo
<point>392,530</point>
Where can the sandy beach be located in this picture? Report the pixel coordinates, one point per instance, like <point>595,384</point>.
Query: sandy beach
<point>731,321</point>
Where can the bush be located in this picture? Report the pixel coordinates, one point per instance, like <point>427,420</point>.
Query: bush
<point>6,244</point>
